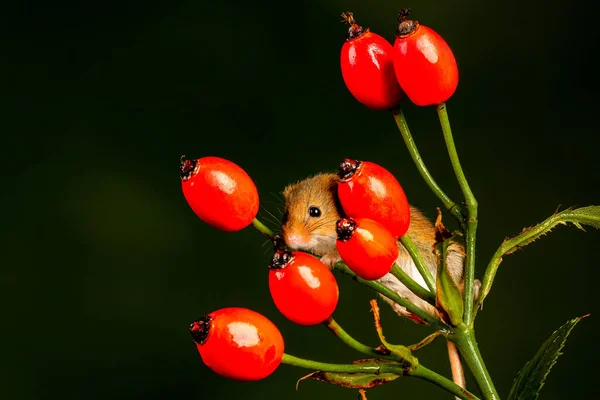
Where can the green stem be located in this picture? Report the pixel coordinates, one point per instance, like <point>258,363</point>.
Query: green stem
<point>375,367</point>
<point>424,373</point>
<point>262,228</point>
<point>450,205</point>
<point>390,294</point>
<point>338,331</point>
<point>471,221</point>
<point>467,346</point>
<point>419,263</point>
<point>412,285</point>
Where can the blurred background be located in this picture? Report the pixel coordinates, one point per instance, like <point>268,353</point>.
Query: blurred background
<point>104,265</point>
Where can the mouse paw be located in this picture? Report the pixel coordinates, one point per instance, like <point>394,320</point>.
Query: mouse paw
<point>476,288</point>
<point>330,259</point>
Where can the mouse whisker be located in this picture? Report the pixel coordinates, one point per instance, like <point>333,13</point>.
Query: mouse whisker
<point>270,220</point>
<point>322,223</point>
<point>278,196</point>
<point>305,224</point>
<point>276,206</point>
<point>276,220</point>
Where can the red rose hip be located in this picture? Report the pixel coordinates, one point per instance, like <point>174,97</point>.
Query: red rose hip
<point>367,190</point>
<point>303,289</point>
<point>366,247</point>
<point>424,64</point>
<point>220,192</point>
<point>238,343</point>
<point>368,68</point>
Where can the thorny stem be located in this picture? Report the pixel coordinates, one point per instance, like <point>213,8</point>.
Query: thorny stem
<point>338,331</point>
<point>450,205</point>
<point>525,237</point>
<point>390,294</point>
<point>262,228</point>
<point>464,336</point>
<point>419,263</point>
<point>471,221</point>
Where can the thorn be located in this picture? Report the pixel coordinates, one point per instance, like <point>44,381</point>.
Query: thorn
<point>305,377</point>
<point>362,394</point>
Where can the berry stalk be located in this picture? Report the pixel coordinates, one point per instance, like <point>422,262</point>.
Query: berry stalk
<point>412,285</point>
<point>338,331</point>
<point>471,220</point>
<point>450,205</point>
<point>390,294</point>
<point>419,263</point>
<point>262,228</point>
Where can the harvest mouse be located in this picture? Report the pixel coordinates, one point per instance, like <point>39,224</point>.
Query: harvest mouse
<point>309,223</point>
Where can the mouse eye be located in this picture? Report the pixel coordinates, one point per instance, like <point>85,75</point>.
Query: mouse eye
<point>314,212</point>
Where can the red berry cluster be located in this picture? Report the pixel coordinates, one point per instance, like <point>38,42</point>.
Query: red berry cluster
<point>420,64</point>
<point>378,214</point>
<point>303,288</point>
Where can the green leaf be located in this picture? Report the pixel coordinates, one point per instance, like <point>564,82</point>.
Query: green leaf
<point>448,296</point>
<point>354,381</point>
<point>358,380</point>
<point>429,339</point>
<point>533,375</point>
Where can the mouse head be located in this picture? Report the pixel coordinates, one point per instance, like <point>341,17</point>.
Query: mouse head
<point>311,211</point>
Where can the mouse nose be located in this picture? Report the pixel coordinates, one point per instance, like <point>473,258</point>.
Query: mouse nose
<point>295,240</point>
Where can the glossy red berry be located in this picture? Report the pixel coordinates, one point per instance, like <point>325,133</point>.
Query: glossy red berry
<point>424,63</point>
<point>303,289</point>
<point>220,192</point>
<point>368,67</point>
<point>367,190</point>
<point>366,246</point>
<point>238,343</point>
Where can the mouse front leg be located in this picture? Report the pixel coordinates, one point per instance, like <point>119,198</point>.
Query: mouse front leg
<point>330,259</point>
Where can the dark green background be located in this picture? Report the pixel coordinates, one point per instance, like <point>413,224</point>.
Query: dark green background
<point>104,265</point>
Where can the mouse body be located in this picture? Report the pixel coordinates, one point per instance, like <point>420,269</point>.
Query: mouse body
<point>311,211</point>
